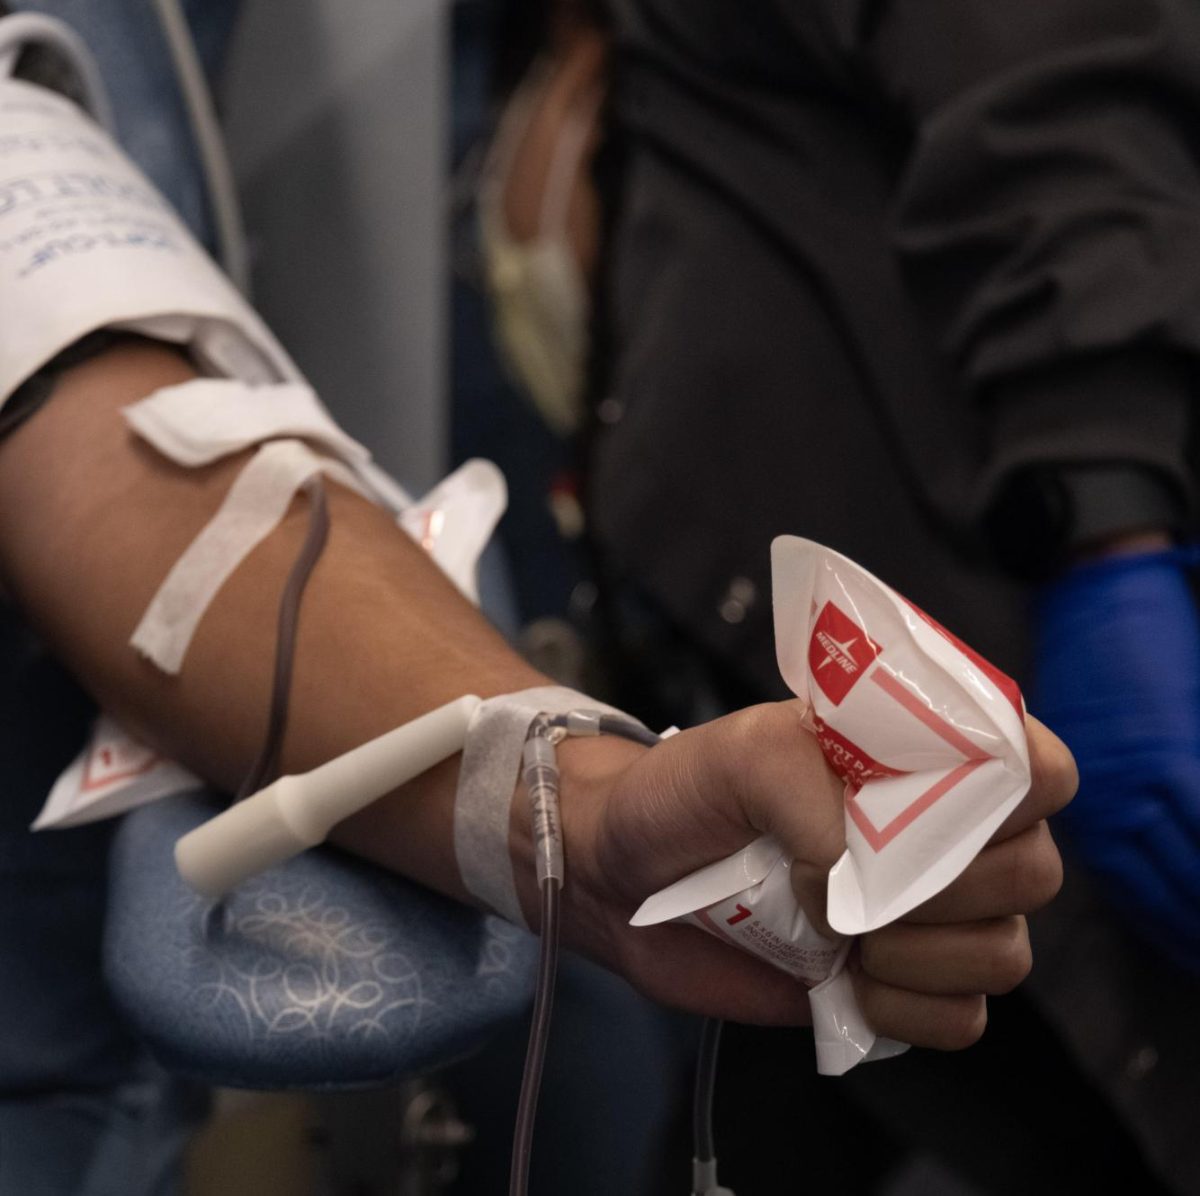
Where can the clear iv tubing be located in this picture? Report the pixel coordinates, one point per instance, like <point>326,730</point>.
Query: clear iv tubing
<point>704,1151</point>
<point>541,776</point>
<point>210,145</point>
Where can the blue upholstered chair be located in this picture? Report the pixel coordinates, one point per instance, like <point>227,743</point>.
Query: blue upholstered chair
<point>322,973</point>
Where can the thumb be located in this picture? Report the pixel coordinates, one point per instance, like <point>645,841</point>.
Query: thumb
<point>785,789</point>
<point>707,792</point>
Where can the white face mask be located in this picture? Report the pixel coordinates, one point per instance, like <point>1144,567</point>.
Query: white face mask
<point>538,289</point>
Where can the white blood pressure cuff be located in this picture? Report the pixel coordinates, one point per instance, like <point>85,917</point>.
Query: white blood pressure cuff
<point>487,781</point>
<point>87,243</point>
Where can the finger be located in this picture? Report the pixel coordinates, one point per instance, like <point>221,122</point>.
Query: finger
<point>1017,876</point>
<point>787,789</point>
<point>810,887</point>
<point>944,1023</point>
<point>783,784</point>
<point>961,959</point>
<point>1054,780</point>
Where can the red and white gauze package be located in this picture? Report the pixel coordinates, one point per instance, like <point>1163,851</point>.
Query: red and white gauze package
<point>928,738</point>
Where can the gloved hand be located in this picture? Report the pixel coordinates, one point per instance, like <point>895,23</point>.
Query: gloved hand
<point>1118,678</point>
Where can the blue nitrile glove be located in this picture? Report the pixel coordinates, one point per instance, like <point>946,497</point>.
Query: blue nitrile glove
<point>1118,678</point>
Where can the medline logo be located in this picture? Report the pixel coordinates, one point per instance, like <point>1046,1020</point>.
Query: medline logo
<point>838,652</point>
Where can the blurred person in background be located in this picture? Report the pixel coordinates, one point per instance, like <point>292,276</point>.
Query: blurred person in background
<point>919,281</point>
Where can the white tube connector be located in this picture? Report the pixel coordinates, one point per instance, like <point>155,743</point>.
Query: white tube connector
<point>297,812</point>
<point>540,768</point>
<point>704,1179</point>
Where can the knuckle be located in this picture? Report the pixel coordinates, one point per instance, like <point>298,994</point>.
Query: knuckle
<point>768,754</point>
<point>1055,773</point>
<point>1014,957</point>
<point>963,1025</point>
<point>759,728</point>
<point>1036,873</point>
<point>745,738</point>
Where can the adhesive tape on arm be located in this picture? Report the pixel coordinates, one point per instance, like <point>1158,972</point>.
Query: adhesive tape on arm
<point>256,502</point>
<point>486,784</point>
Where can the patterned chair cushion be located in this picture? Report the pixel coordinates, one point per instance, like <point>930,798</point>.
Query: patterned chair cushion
<point>322,973</point>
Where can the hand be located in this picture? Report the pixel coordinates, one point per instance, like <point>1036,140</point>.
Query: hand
<point>636,820</point>
<point>1118,676</point>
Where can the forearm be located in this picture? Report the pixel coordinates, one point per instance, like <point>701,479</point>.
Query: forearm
<point>91,520</point>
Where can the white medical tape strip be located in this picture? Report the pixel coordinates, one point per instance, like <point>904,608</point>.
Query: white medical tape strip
<point>86,242</point>
<point>199,421</point>
<point>253,508</point>
<point>205,419</point>
<point>487,781</point>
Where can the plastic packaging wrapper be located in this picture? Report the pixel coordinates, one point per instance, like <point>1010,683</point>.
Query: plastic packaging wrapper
<point>455,520</point>
<point>114,773</point>
<point>929,739</point>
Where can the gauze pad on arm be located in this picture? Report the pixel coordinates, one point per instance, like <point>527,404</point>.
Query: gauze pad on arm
<point>929,739</point>
<point>200,421</point>
<point>203,420</point>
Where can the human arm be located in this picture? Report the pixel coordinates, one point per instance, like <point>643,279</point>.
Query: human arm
<point>383,637</point>
<point>1046,214</point>
<point>91,521</point>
